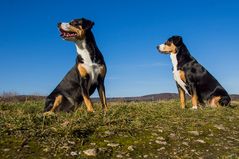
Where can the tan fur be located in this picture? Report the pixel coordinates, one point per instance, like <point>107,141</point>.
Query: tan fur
<point>82,70</point>
<point>57,102</point>
<point>194,98</point>
<point>182,76</point>
<point>182,97</point>
<point>88,103</point>
<point>214,102</point>
<point>103,98</point>
<point>170,48</point>
<point>102,71</point>
<point>79,31</point>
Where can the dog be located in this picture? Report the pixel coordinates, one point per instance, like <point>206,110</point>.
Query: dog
<point>85,76</point>
<point>191,77</point>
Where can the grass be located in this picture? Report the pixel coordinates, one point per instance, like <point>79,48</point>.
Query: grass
<point>128,130</point>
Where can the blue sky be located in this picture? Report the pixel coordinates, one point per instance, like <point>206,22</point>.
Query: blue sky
<point>34,59</point>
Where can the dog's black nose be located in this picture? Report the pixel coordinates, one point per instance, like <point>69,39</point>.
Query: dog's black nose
<point>157,47</point>
<point>58,24</point>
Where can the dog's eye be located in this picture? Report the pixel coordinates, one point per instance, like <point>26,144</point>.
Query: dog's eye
<point>167,43</point>
<point>74,23</point>
<point>71,23</point>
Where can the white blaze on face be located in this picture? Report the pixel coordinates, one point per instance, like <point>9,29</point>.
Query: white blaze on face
<point>161,47</point>
<point>65,26</point>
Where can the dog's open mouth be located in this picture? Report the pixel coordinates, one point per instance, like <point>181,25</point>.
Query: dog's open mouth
<point>67,34</point>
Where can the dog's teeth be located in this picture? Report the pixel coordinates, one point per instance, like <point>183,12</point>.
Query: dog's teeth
<point>68,34</point>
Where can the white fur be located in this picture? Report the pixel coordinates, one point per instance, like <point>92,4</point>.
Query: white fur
<point>194,107</point>
<point>176,72</point>
<point>65,26</point>
<point>92,69</point>
<point>161,47</point>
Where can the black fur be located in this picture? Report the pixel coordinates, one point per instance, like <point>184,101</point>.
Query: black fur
<point>73,85</point>
<point>197,77</point>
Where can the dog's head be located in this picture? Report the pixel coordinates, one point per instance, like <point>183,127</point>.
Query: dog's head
<point>171,45</point>
<point>76,29</point>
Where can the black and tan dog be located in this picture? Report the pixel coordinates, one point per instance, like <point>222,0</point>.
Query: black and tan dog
<point>191,77</point>
<point>86,75</point>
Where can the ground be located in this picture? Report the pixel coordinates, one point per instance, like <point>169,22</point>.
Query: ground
<point>129,130</point>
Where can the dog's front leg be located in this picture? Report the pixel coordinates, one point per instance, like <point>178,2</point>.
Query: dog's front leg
<point>84,86</point>
<point>194,99</point>
<point>87,101</point>
<point>101,91</point>
<point>181,93</point>
<point>101,87</point>
<point>86,96</point>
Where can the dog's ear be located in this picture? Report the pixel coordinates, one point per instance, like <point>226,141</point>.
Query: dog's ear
<point>87,24</point>
<point>177,40</point>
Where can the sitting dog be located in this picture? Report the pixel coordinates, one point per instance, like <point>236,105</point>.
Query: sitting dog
<point>191,77</point>
<point>86,75</point>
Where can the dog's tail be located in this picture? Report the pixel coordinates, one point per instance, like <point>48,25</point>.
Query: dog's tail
<point>225,101</point>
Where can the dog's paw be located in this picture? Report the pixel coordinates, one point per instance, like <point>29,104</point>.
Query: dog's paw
<point>90,111</point>
<point>195,107</point>
<point>104,111</point>
<point>48,114</point>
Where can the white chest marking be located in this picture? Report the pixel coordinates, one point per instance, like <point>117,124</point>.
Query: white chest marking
<point>176,74</point>
<point>93,69</point>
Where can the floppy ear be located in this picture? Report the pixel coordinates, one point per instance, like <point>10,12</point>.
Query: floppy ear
<point>177,40</point>
<point>88,24</point>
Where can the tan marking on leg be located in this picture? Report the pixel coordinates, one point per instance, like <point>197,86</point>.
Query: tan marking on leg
<point>82,70</point>
<point>88,103</point>
<point>102,71</point>
<point>214,102</point>
<point>56,104</point>
<point>103,98</point>
<point>182,76</point>
<point>194,99</point>
<point>182,97</point>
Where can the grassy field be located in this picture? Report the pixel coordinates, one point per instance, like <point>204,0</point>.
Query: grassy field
<point>128,130</point>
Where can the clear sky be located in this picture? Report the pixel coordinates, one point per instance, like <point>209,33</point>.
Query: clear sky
<point>34,59</point>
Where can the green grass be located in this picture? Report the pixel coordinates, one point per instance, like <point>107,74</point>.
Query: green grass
<point>152,129</point>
